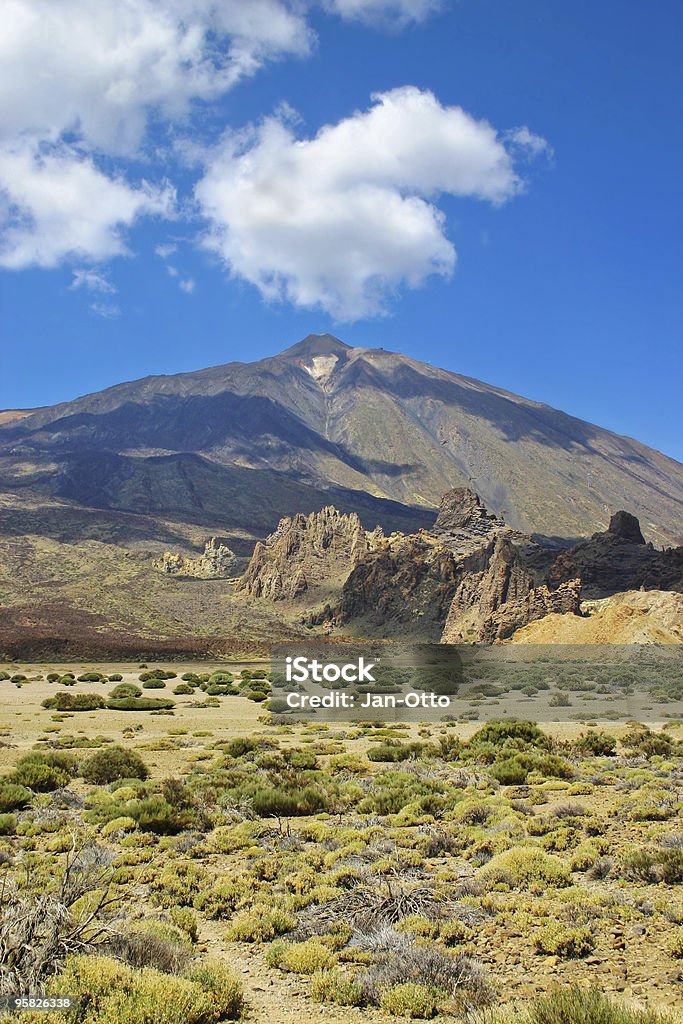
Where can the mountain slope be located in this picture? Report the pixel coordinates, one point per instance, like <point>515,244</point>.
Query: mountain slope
<point>327,416</point>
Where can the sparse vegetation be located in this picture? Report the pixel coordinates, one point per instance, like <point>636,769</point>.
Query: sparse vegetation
<point>375,863</point>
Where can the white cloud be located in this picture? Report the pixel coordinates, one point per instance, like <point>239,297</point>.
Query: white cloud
<point>187,285</point>
<point>523,140</point>
<point>92,281</point>
<point>342,220</point>
<point>107,310</point>
<point>58,204</point>
<point>82,80</point>
<point>389,12</point>
<point>165,250</point>
<point>100,68</point>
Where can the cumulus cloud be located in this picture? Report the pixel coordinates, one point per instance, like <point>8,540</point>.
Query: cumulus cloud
<point>187,285</point>
<point>58,204</point>
<point>396,12</point>
<point>81,80</point>
<point>100,69</point>
<point>340,221</point>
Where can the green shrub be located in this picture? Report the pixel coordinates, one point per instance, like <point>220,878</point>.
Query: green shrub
<point>642,741</point>
<point>185,919</point>
<point>599,744</point>
<point>388,752</point>
<point>113,763</point>
<point>13,797</point>
<point>527,867</point>
<point>260,924</point>
<point>331,986</point>
<point>74,702</point>
<point>654,866</point>
<point>115,677</point>
<point>222,986</point>
<point>182,688</point>
<point>110,992</point>
<point>125,690</point>
<point>676,945</point>
<point>92,677</point>
<point>526,734</point>
<point>154,684</point>
<point>515,770</point>
<point>576,1006</point>
<point>557,939</point>
<point>40,776</point>
<point>301,957</point>
<point>8,824</point>
<point>418,1002</point>
<point>141,704</point>
<point>274,802</point>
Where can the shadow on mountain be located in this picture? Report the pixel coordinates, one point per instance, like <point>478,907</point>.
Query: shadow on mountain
<point>188,489</point>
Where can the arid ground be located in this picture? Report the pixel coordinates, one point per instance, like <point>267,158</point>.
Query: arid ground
<point>446,870</point>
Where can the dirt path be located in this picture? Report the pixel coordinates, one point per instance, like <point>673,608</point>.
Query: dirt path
<point>275,997</point>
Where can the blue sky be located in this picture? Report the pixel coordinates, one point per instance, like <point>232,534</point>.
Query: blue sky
<point>252,228</point>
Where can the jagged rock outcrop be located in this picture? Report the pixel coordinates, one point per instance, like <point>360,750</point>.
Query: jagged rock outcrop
<point>490,604</point>
<point>306,552</point>
<point>406,585</point>
<point>216,563</point>
<point>464,580</point>
<point>461,511</point>
<point>618,560</point>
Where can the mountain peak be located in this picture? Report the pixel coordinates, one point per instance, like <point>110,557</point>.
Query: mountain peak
<point>316,345</point>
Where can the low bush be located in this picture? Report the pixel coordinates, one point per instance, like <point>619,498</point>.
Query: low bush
<point>8,824</point>
<point>186,920</point>
<point>260,924</point>
<point>301,957</point>
<point>650,865</point>
<point>558,939</point>
<point>331,986</point>
<point>410,1000</point>
<point>515,770</point>
<point>111,992</point>
<point>222,986</point>
<point>526,867</point>
<point>124,690</point>
<point>40,777</point>
<point>13,797</point>
<point>113,763</point>
<point>154,684</point>
<point>141,704</point>
<point>74,702</point>
<point>598,744</point>
<point>577,1006</point>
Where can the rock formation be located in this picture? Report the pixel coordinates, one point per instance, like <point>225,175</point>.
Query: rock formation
<point>405,585</point>
<point>462,513</point>
<point>307,552</point>
<point>634,617</point>
<point>491,604</point>
<point>618,560</point>
<point>216,563</point>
